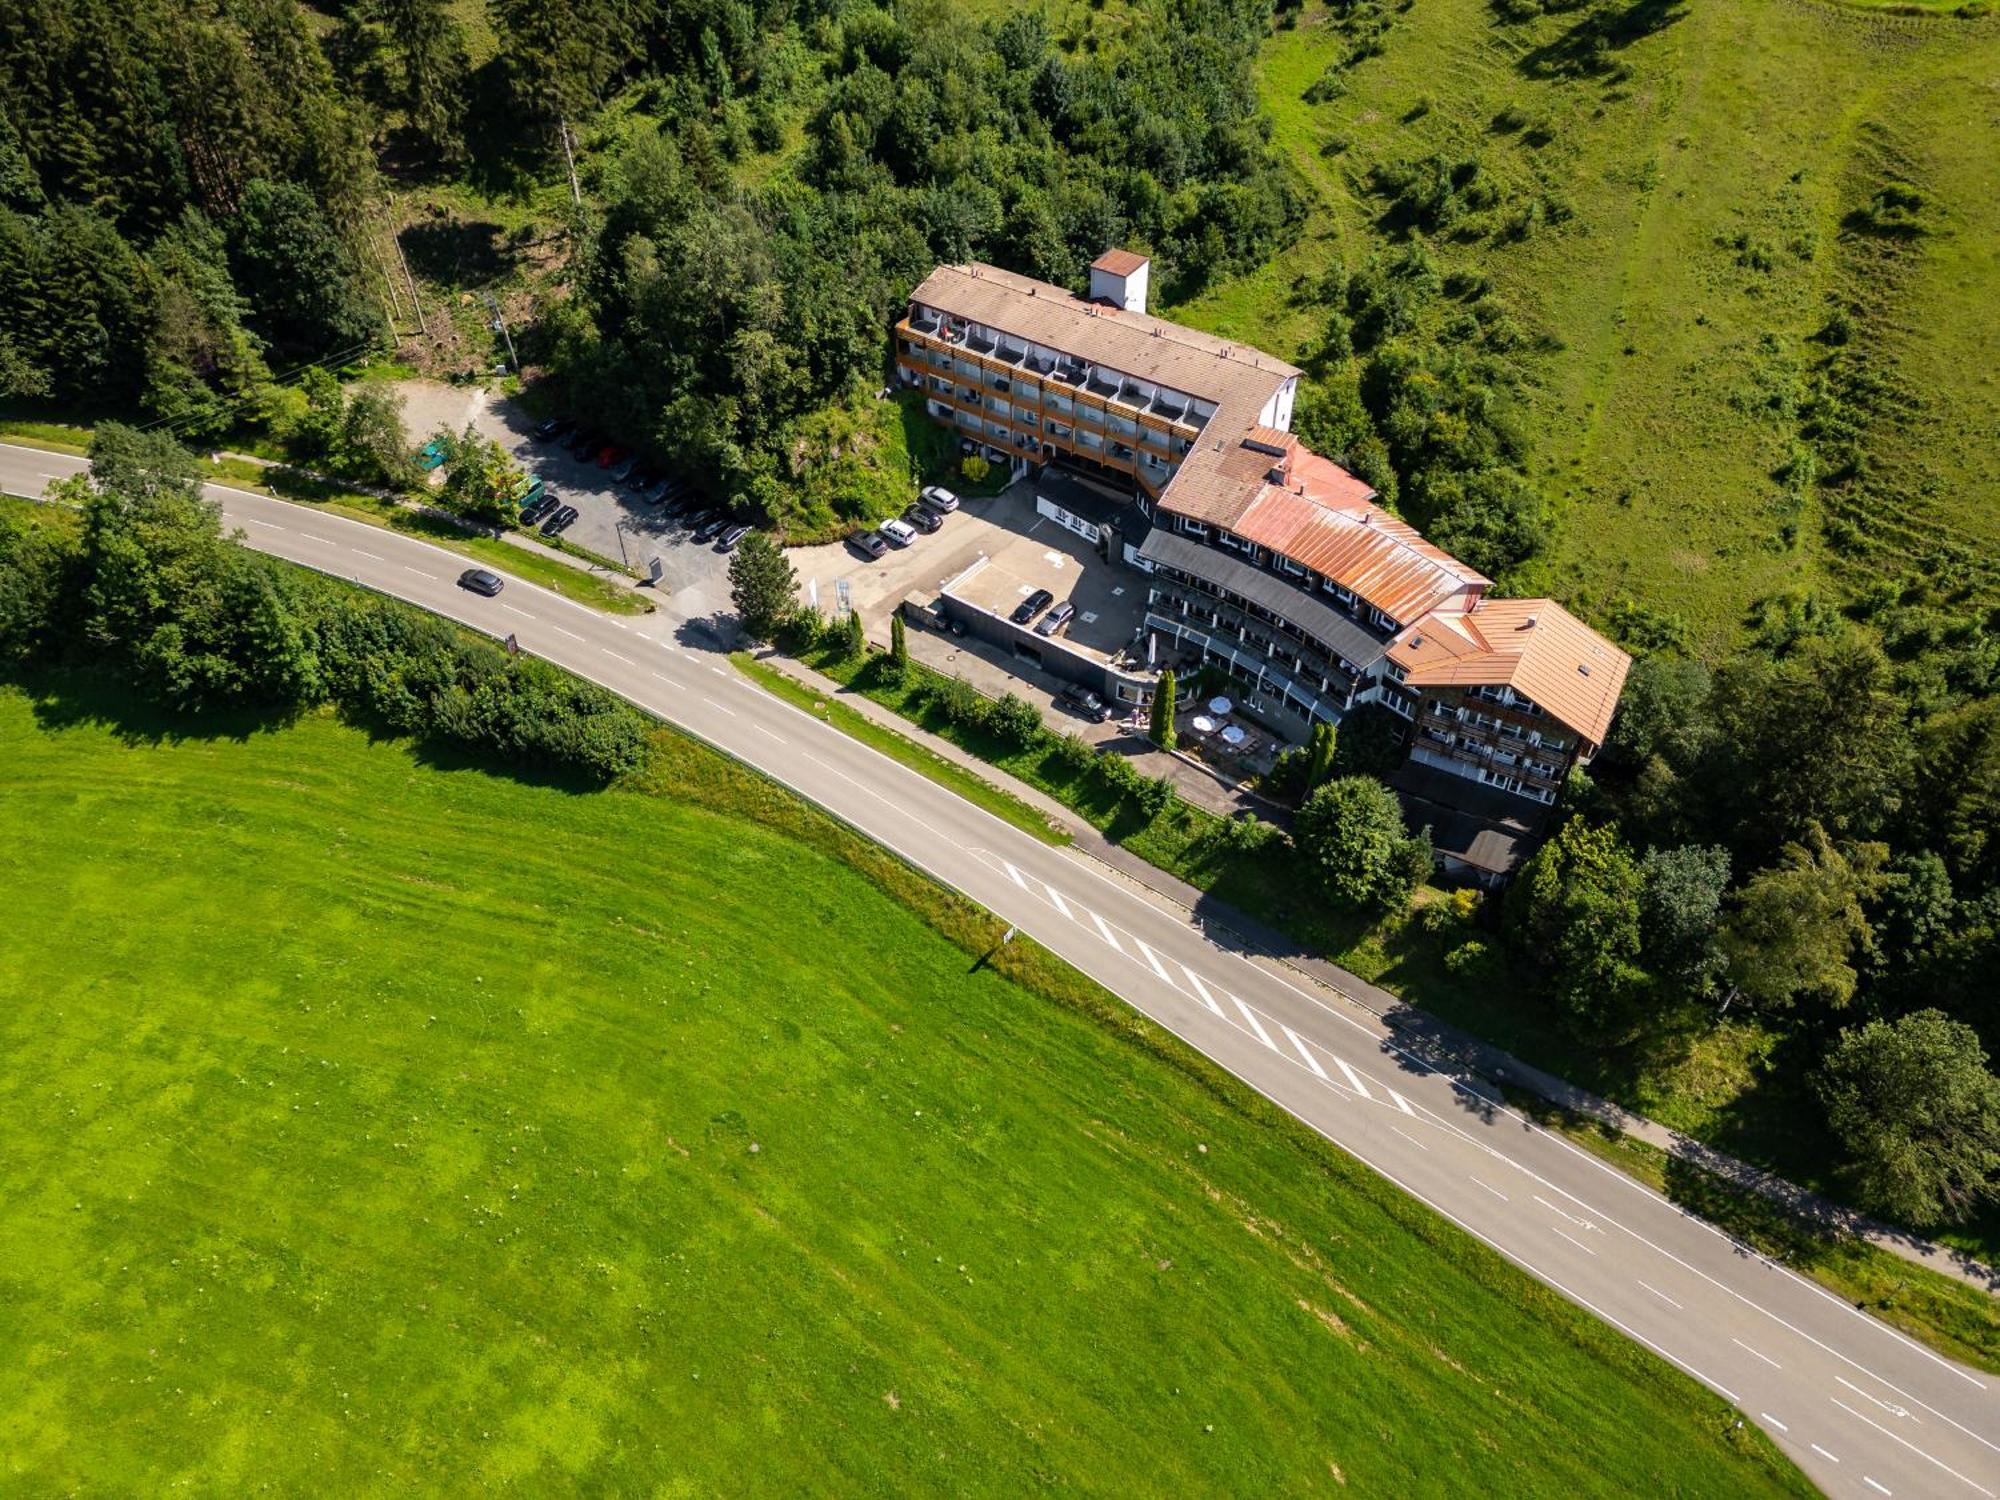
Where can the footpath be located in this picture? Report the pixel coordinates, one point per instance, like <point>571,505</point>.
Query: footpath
<point>1478,1064</point>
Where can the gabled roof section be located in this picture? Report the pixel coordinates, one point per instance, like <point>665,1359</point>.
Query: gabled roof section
<point>1534,646</point>
<point>1118,262</point>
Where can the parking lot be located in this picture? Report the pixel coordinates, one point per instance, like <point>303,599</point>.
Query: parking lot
<point>613,520</point>
<point>981,527</point>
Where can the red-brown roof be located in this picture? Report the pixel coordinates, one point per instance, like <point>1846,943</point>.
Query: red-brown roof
<point>1362,548</point>
<point>1534,646</point>
<point>1118,262</point>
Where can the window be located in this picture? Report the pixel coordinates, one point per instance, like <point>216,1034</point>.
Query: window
<point>1227,539</point>
<point>1286,565</point>
<point>1194,528</point>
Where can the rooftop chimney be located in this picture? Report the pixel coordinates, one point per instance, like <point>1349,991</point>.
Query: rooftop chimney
<point>1119,277</point>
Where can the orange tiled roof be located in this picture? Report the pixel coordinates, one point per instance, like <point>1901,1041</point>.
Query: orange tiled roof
<point>1534,646</point>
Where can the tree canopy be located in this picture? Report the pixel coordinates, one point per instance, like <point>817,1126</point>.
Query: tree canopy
<point>1918,1111</point>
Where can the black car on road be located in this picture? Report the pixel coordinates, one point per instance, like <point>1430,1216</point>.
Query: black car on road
<point>481,581</point>
<point>1033,605</point>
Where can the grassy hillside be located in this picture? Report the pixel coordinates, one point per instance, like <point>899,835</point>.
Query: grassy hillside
<point>1704,177</point>
<point>618,1141</point>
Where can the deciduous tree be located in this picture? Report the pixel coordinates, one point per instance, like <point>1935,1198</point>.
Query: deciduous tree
<point>1353,833</point>
<point>1574,912</point>
<point>1918,1111</point>
<point>1799,927</point>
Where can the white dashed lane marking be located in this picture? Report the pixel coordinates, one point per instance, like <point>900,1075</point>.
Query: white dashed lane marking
<point>420,573</point>
<point>1754,1353</point>
<point>1860,1416</point>
<point>1505,1199</point>
<point>1662,1296</point>
<point>626,659</point>
<point>570,633</point>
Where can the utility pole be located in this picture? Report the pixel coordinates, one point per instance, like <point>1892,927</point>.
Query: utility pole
<point>500,323</point>
<point>569,158</point>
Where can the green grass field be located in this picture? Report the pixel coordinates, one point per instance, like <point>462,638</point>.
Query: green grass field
<point>1710,174</point>
<point>377,1125</point>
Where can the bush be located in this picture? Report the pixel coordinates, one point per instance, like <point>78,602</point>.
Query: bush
<point>1015,720</point>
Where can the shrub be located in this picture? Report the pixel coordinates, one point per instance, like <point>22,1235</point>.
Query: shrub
<point>1015,720</point>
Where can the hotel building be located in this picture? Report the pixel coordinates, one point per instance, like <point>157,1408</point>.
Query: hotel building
<point>1263,559</point>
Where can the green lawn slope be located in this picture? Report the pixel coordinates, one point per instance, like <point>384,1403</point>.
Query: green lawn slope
<point>1705,181</point>
<point>371,1125</point>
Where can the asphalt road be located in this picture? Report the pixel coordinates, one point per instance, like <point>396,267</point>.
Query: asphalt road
<point>1864,1410</point>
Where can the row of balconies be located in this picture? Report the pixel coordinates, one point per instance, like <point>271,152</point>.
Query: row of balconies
<point>1192,598</point>
<point>1109,385</point>
<point>1263,676</point>
<point>1484,753</point>
<point>1472,721</point>
<point>1015,409</point>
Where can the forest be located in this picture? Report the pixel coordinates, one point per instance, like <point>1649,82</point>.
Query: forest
<point>1795,822</point>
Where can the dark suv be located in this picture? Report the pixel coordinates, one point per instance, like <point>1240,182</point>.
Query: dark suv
<point>1033,605</point>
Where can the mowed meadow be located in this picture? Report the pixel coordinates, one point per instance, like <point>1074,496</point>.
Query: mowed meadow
<point>1719,313</point>
<point>377,1125</point>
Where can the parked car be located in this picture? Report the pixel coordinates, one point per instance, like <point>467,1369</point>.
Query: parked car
<point>728,540</point>
<point>552,429</point>
<point>562,520</point>
<point>611,455</point>
<point>1083,701</point>
<point>923,518</point>
<point>529,493</point>
<point>938,498</point>
<point>868,543</point>
<point>583,441</point>
<point>1033,605</point>
<point>897,532</point>
<point>481,581</point>
<point>546,504</point>
<point>712,528</point>
<point>1055,619</point>
<point>622,473</point>
<point>641,478</point>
